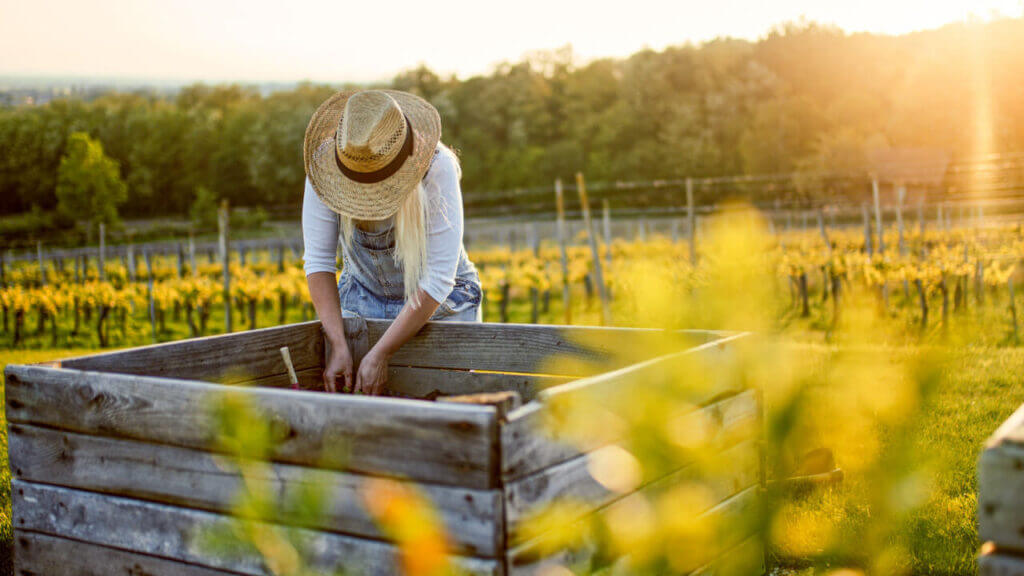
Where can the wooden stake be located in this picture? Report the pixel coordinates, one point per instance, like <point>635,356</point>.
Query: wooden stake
<point>292,377</point>
<point>867,229</point>
<point>132,273</point>
<point>602,289</point>
<point>560,206</point>
<point>606,219</point>
<point>824,233</point>
<point>192,254</point>
<point>42,265</point>
<point>103,252</point>
<point>691,221</point>
<point>901,192</point>
<point>878,216</point>
<point>149,294</point>
<point>223,222</point>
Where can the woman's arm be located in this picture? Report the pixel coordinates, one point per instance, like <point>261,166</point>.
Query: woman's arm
<point>373,368</point>
<point>324,293</point>
<point>444,245</point>
<point>320,241</point>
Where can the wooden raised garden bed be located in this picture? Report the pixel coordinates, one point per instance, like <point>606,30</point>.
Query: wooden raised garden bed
<point>115,466</point>
<point>1001,500</point>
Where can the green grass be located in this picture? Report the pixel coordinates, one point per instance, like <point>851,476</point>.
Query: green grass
<point>979,388</point>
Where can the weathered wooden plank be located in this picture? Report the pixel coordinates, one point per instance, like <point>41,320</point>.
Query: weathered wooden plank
<point>1011,431</point>
<point>532,347</point>
<point>998,563</point>
<point>430,442</point>
<point>413,382</point>
<point>226,358</point>
<point>528,447</point>
<point>722,424</point>
<point>746,559</point>
<point>503,402</point>
<point>1001,495</point>
<point>734,469</point>
<point>196,479</point>
<point>730,522</point>
<point>43,555</point>
<point>177,533</point>
<point>309,379</point>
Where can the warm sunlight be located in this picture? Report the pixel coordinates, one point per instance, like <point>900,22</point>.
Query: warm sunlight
<point>331,41</point>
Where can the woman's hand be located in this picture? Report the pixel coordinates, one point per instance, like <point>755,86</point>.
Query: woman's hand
<point>338,368</point>
<point>373,373</point>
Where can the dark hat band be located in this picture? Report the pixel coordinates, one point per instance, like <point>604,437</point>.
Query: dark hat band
<point>388,170</point>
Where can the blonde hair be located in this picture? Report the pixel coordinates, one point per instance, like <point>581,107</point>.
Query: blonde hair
<point>410,229</point>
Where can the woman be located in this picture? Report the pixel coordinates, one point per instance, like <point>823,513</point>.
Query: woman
<point>376,170</point>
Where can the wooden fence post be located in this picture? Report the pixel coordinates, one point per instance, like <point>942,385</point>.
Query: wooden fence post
<point>533,240</point>
<point>132,272</point>
<point>223,221</point>
<point>192,254</point>
<point>606,220</point>
<point>691,221</point>
<point>602,289</point>
<point>566,293</point>
<point>42,264</point>
<point>878,216</point>
<point>901,192</point>
<point>149,294</point>
<point>102,264</point>
<point>824,232</point>
<point>867,229</point>
<point>921,224</point>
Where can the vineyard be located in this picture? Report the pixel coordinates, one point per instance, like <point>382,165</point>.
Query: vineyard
<point>924,281</point>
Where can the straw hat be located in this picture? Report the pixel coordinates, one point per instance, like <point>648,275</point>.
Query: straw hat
<point>365,151</point>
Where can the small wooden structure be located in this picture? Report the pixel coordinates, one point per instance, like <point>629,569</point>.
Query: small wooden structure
<point>115,465</point>
<point>1001,500</point>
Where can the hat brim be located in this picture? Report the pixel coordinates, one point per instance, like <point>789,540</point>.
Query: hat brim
<point>379,200</point>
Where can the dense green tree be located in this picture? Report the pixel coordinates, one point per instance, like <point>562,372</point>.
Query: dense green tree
<point>806,97</point>
<point>89,184</point>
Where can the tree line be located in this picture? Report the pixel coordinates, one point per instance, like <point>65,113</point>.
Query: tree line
<point>805,97</point>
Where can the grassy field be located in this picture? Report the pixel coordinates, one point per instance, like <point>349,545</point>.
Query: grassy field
<point>981,387</point>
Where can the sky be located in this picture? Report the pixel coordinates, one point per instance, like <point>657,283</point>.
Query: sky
<point>345,41</point>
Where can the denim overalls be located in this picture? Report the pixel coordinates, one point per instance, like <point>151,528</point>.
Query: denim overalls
<point>372,285</point>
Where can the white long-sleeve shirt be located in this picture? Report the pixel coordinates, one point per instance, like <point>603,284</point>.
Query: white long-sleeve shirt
<point>444,227</point>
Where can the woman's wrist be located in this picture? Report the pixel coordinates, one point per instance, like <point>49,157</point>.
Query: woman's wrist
<point>336,338</point>
<point>382,351</point>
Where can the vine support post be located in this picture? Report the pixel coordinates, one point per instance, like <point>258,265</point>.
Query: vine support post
<point>223,223</point>
<point>42,264</point>
<point>132,272</point>
<point>102,264</point>
<point>602,288</point>
<point>878,216</point>
<point>867,230</point>
<point>606,220</point>
<point>192,254</point>
<point>560,227</point>
<point>901,193</point>
<point>149,294</point>
<point>691,221</point>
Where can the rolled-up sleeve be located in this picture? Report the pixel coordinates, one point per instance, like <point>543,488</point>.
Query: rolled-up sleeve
<point>444,226</point>
<point>319,234</point>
